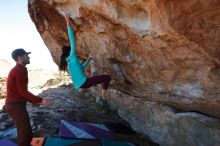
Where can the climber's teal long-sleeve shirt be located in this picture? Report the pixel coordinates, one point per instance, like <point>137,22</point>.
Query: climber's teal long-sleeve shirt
<point>74,67</point>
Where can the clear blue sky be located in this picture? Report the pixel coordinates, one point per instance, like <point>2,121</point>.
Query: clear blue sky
<point>18,31</point>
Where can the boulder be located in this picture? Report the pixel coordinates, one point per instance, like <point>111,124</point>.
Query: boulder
<point>166,52</point>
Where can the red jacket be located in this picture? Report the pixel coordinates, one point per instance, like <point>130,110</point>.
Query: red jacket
<point>17,87</point>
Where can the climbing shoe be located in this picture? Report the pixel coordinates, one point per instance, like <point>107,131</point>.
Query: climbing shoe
<point>104,105</point>
<point>104,102</point>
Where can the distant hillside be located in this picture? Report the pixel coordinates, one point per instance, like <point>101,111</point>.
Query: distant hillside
<point>5,67</point>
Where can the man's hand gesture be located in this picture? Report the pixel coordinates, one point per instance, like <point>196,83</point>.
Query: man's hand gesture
<point>45,102</point>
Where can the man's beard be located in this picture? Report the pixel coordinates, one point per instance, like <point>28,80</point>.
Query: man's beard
<point>26,62</point>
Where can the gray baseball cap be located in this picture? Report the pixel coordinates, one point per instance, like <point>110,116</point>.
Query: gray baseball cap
<point>18,52</point>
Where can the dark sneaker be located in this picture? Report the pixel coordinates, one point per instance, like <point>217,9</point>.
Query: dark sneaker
<point>104,102</point>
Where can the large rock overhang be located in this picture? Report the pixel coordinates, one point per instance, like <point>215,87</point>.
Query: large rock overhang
<point>167,52</point>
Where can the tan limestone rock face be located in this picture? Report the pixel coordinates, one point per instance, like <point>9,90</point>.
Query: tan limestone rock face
<point>163,51</point>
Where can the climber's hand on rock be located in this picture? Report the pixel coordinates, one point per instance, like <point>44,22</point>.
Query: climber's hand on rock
<point>67,18</point>
<point>90,56</point>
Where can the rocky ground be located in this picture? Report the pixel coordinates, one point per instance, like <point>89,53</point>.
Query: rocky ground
<point>68,104</point>
<point>2,87</point>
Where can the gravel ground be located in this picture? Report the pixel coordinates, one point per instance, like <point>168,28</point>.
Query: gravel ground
<point>69,104</point>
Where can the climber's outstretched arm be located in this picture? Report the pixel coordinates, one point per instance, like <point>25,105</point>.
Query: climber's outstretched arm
<point>71,36</point>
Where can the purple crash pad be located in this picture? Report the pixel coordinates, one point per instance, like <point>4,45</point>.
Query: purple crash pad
<point>83,130</point>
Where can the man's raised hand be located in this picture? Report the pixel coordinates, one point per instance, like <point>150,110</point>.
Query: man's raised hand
<point>46,102</point>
